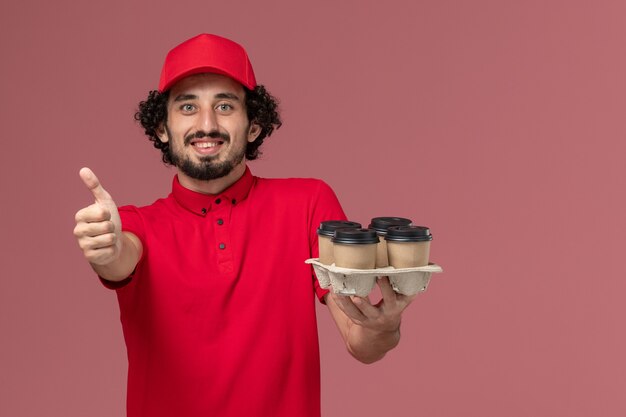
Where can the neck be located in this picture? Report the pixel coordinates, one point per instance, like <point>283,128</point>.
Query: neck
<point>215,186</point>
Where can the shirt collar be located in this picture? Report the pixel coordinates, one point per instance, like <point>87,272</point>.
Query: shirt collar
<point>201,204</point>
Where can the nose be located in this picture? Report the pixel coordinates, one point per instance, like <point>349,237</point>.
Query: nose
<point>208,120</point>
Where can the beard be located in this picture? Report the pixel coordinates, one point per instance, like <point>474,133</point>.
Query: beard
<point>208,168</point>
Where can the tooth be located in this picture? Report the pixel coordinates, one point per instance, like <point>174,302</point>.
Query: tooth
<point>206,144</point>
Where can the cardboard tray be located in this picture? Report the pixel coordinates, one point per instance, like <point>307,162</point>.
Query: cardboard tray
<point>360,282</point>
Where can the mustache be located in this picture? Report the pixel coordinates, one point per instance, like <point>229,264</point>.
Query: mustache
<point>213,134</point>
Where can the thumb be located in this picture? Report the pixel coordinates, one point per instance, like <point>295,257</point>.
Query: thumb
<point>92,182</point>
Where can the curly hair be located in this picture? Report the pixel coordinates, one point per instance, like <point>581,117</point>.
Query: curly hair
<point>261,107</point>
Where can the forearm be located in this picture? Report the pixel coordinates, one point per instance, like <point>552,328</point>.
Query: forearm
<point>367,345</point>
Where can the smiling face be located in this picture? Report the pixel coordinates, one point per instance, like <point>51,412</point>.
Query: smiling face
<point>207,127</point>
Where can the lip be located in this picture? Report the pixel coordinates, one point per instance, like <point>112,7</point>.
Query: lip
<point>216,145</point>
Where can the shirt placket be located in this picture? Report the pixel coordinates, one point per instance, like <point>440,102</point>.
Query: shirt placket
<point>220,216</point>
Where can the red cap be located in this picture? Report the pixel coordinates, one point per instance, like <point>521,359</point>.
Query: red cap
<point>207,53</point>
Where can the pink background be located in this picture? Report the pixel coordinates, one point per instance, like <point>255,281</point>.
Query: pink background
<point>499,124</point>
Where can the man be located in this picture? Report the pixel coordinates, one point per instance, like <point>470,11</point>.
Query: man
<point>216,302</point>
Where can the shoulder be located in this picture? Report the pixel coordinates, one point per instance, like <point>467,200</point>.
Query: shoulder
<point>141,220</point>
<point>308,192</point>
<point>156,208</point>
<point>306,186</point>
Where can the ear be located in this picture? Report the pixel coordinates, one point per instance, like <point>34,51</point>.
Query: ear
<point>162,134</point>
<point>253,132</point>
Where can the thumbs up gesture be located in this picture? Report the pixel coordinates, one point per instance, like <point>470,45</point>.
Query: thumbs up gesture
<point>98,226</point>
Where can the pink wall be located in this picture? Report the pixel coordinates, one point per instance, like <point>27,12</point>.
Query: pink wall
<point>499,124</point>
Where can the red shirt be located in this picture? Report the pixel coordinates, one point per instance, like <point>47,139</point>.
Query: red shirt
<point>219,316</point>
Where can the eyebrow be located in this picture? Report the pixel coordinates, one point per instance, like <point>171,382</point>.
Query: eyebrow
<point>228,96</point>
<point>185,97</point>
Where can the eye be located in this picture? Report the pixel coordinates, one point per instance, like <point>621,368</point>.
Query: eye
<point>187,107</point>
<point>224,107</point>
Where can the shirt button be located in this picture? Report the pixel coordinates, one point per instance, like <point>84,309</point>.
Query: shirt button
<point>219,200</point>
<point>220,222</point>
<point>203,211</point>
<point>234,201</point>
<point>222,246</point>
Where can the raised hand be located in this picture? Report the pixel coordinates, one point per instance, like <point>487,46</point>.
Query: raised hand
<point>98,226</point>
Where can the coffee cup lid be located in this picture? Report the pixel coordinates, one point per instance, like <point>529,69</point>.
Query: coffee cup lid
<point>408,234</point>
<point>381,224</point>
<point>355,236</point>
<point>328,228</point>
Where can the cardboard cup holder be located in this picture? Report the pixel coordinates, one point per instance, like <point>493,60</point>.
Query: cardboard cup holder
<point>360,282</point>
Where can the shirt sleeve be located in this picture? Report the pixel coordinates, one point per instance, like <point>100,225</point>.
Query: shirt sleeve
<point>133,223</point>
<point>325,206</point>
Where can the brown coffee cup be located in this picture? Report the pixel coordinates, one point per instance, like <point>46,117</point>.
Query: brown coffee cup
<point>408,246</point>
<point>380,225</point>
<point>355,248</point>
<point>325,232</point>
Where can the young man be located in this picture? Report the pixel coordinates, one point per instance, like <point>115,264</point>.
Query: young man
<point>216,302</point>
